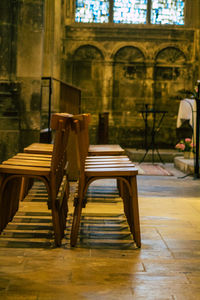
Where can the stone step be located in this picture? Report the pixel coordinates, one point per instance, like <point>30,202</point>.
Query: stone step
<point>184,165</point>
<point>167,155</point>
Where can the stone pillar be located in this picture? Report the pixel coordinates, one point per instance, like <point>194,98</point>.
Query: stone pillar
<point>192,20</point>
<point>192,14</point>
<point>52,38</point>
<point>29,67</point>
<point>9,88</point>
<point>107,85</point>
<point>52,56</point>
<point>69,11</point>
<point>149,95</point>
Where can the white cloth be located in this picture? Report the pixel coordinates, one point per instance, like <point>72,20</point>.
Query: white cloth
<point>187,111</point>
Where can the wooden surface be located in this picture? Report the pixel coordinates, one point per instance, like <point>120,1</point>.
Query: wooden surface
<point>39,148</point>
<point>105,150</point>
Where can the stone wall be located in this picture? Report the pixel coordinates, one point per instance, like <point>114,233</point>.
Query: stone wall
<point>29,67</point>
<point>122,68</point>
<point>119,69</point>
<point>9,87</point>
<point>21,34</point>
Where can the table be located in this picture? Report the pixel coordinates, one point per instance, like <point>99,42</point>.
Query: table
<point>158,116</point>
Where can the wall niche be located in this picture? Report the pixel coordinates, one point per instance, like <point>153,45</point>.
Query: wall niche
<point>87,73</point>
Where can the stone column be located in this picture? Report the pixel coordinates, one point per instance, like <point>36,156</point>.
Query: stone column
<point>149,95</point>
<point>9,88</point>
<point>107,87</point>
<point>29,67</point>
<point>52,56</point>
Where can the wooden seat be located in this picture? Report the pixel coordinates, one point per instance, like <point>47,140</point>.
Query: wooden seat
<point>125,174</point>
<point>52,173</point>
<point>39,148</point>
<point>105,150</point>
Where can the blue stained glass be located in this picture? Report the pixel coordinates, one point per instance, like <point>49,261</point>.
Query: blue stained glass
<point>167,12</point>
<point>130,11</point>
<point>92,11</point>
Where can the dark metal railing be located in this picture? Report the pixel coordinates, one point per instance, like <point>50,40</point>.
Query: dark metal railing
<point>69,100</point>
<point>196,163</point>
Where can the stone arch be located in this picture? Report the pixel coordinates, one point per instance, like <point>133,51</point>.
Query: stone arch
<point>170,56</point>
<point>87,73</point>
<point>170,66</point>
<point>130,54</point>
<point>87,52</point>
<point>171,78</point>
<point>131,61</point>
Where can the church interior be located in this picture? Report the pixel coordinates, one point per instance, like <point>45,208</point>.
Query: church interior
<point>87,73</point>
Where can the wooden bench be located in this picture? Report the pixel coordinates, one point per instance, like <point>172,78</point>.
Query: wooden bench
<point>122,170</point>
<point>52,173</point>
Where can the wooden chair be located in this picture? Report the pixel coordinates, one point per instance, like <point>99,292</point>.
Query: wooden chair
<point>125,174</point>
<point>53,175</point>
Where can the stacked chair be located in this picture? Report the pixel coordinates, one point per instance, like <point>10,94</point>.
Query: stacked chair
<point>51,170</point>
<point>95,167</point>
<point>48,163</point>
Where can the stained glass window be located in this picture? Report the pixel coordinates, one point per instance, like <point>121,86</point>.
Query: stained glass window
<point>167,12</point>
<point>130,11</point>
<point>92,11</point>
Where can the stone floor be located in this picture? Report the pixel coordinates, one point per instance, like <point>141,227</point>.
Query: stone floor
<point>106,263</point>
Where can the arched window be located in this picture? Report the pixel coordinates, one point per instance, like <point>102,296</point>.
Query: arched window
<point>130,11</point>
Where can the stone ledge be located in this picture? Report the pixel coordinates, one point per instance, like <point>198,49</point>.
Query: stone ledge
<point>167,155</point>
<point>184,165</point>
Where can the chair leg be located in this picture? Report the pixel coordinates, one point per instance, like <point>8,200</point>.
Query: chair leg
<point>134,211</point>
<point>26,185</point>
<point>130,202</point>
<point>125,195</point>
<point>59,215</point>
<point>76,223</point>
<point>63,209</point>
<point>56,225</point>
<point>120,187</point>
<point>77,211</point>
<point>9,200</point>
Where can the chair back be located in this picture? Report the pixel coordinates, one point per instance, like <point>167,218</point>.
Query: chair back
<point>84,120</point>
<point>80,125</point>
<point>61,124</point>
